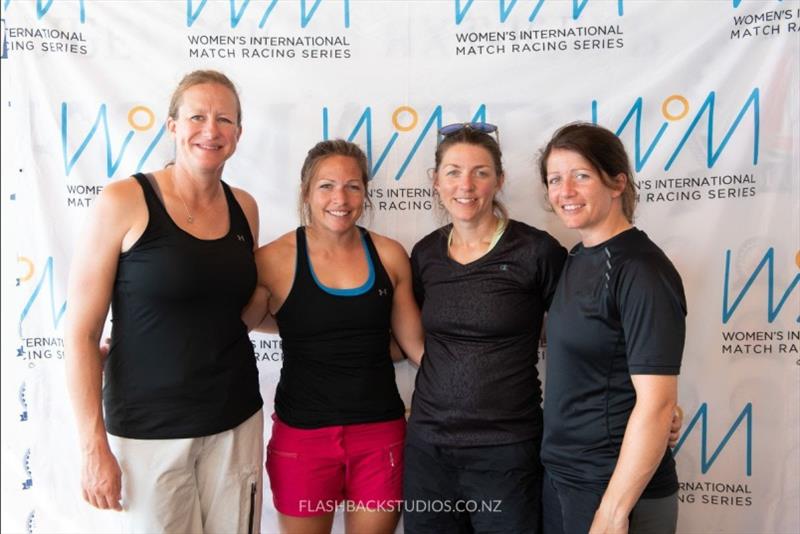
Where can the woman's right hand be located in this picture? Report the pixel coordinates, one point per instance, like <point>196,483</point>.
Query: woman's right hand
<point>101,479</point>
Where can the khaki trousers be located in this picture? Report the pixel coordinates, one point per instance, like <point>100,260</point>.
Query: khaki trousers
<point>210,484</point>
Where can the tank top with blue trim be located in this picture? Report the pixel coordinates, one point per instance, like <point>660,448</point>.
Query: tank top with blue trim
<point>336,364</point>
<point>181,364</point>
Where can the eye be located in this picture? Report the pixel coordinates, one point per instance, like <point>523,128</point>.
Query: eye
<point>196,118</point>
<point>225,120</point>
<point>326,186</point>
<point>452,172</point>
<point>553,180</point>
<point>582,176</point>
<point>354,187</point>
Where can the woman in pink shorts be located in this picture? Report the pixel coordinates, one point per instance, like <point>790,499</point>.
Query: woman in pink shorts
<point>338,293</point>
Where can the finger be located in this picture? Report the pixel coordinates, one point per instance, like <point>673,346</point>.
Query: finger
<point>94,501</point>
<point>111,503</point>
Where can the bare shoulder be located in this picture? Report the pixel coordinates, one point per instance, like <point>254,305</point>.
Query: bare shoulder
<point>282,249</point>
<point>122,193</point>
<point>244,198</point>
<point>389,249</point>
<point>120,203</point>
<point>393,257</point>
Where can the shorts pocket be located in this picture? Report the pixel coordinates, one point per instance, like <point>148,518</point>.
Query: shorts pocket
<point>395,454</point>
<point>280,454</point>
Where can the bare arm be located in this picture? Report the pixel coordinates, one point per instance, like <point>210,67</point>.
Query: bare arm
<point>406,322</point>
<point>255,312</point>
<point>89,294</point>
<point>260,317</point>
<point>643,448</point>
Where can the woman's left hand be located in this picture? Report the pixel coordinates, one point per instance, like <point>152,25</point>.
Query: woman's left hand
<point>605,523</point>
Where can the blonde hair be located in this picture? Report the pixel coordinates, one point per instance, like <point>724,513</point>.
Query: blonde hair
<point>199,77</point>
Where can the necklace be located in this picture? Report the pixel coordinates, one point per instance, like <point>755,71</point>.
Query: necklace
<point>189,217</point>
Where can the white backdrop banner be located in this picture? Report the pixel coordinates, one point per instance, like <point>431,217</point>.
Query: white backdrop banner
<point>705,95</point>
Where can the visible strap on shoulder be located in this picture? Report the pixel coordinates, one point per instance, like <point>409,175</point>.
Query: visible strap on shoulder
<point>238,220</point>
<point>150,195</point>
<point>302,262</point>
<point>371,250</point>
<point>375,264</point>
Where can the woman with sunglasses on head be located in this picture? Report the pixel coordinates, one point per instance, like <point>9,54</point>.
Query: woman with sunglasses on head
<point>483,282</point>
<point>615,334</point>
<point>338,292</point>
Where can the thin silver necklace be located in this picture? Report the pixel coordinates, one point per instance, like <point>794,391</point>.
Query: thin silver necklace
<point>189,217</point>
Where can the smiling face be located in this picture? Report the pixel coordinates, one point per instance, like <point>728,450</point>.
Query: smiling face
<point>336,194</point>
<point>205,128</point>
<point>579,195</point>
<point>467,182</point>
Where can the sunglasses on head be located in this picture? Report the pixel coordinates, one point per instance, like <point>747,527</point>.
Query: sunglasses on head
<point>483,127</point>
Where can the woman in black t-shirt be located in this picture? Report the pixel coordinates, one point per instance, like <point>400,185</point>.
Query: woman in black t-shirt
<point>615,335</point>
<point>483,283</point>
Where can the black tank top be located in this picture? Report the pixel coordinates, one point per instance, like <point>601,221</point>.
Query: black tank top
<point>181,363</point>
<point>336,364</point>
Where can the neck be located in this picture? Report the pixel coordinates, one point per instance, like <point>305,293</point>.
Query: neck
<point>611,228</point>
<point>332,240</point>
<point>195,187</point>
<point>474,233</point>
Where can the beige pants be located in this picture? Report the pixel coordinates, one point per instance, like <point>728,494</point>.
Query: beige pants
<point>210,484</point>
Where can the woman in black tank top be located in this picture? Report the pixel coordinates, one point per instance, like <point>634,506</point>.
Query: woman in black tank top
<point>338,292</point>
<point>172,254</point>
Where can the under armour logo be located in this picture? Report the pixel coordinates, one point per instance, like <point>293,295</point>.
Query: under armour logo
<point>383,292</point>
<point>504,267</point>
<point>240,237</point>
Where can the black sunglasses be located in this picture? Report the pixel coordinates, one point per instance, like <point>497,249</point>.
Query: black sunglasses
<point>483,127</point>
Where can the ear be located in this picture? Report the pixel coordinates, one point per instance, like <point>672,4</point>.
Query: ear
<point>239,134</point>
<point>501,180</point>
<point>620,181</point>
<point>434,176</point>
<point>171,126</point>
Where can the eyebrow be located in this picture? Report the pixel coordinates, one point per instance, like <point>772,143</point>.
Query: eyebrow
<point>481,166</point>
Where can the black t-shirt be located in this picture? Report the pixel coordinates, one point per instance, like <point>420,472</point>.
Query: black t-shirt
<point>478,383</point>
<point>619,310</point>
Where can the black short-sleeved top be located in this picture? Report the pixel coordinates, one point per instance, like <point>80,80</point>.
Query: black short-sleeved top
<point>478,384</point>
<point>181,364</point>
<point>619,310</point>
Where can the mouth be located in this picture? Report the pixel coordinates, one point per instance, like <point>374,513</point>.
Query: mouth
<point>465,201</point>
<point>571,208</point>
<point>205,146</point>
<point>338,213</point>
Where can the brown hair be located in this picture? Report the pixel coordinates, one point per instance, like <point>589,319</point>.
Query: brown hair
<point>315,156</point>
<point>199,77</point>
<point>471,136</point>
<point>600,147</point>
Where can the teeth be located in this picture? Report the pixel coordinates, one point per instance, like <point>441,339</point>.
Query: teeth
<point>464,200</point>
<point>571,207</point>
<point>338,213</point>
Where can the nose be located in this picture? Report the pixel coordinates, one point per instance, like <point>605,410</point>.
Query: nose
<point>467,182</point>
<point>338,195</point>
<point>567,187</point>
<point>210,127</point>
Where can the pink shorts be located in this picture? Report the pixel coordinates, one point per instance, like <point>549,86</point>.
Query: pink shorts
<point>312,471</point>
